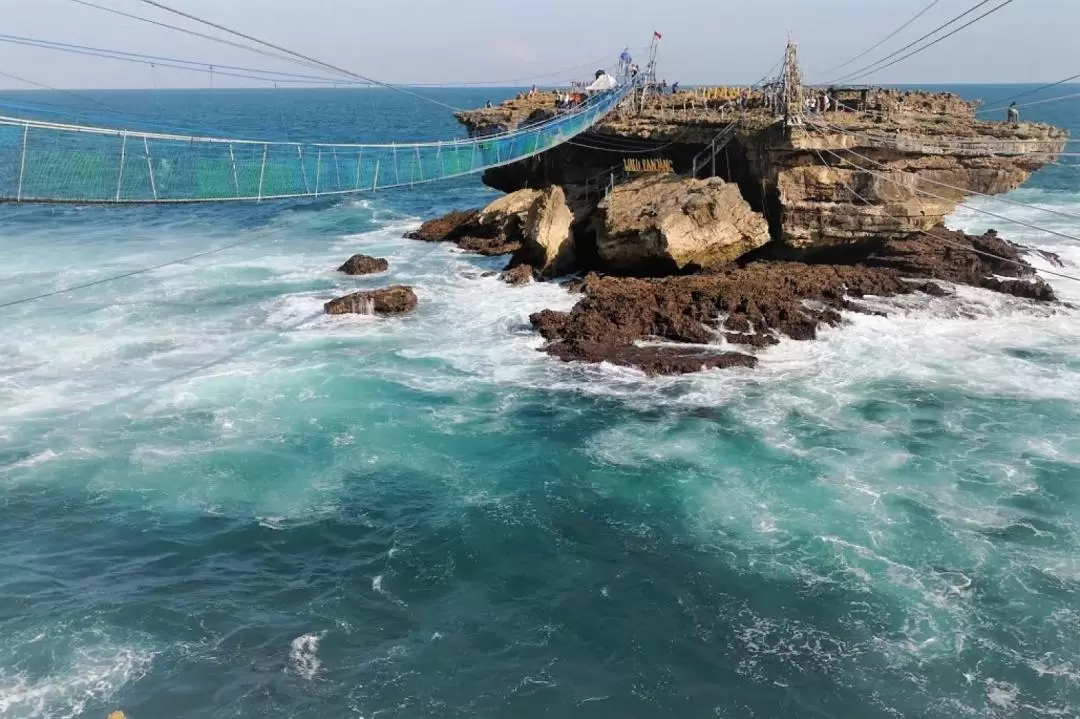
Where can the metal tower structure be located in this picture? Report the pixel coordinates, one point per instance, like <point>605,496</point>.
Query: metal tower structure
<point>792,95</point>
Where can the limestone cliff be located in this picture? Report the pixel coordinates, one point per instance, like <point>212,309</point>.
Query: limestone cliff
<point>868,172</point>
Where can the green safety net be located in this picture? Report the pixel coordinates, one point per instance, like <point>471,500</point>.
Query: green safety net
<point>52,162</point>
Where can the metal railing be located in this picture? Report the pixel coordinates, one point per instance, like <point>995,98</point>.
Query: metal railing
<point>715,146</point>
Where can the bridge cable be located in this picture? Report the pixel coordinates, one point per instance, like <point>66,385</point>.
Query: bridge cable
<point>944,240</point>
<point>251,38</point>
<point>1032,92</point>
<point>174,63</point>
<point>869,69</point>
<point>133,273</point>
<point>144,119</point>
<point>196,33</point>
<point>311,65</point>
<point>205,366</point>
<point>1040,102</point>
<point>884,40</point>
<point>43,86</point>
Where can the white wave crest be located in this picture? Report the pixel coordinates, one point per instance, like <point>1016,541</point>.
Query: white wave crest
<point>94,675</point>
<point>304,655</point>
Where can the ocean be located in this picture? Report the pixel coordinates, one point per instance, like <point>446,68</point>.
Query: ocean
<point>215,501</point>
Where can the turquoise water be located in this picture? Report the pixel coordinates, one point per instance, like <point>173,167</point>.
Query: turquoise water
<point>216,502</point>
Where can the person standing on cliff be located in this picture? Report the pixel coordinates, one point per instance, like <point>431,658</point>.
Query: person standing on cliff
<point>1014,115</point>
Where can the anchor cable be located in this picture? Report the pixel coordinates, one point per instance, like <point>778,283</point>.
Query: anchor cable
<point>870,69</point>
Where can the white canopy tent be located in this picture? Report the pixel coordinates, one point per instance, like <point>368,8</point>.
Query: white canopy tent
<point>602,83</point>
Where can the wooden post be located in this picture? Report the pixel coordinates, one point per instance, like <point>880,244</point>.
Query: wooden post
<point>262,172</point>
<point>235,178</point>
<point>303,170</point>
<point>22,163</point>
<point>150,167</point>
<point>120,175</point>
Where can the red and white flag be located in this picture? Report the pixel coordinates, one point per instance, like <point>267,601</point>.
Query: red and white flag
<point>658,35</point>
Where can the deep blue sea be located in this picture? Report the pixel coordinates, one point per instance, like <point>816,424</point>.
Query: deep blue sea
<point>215,502</point>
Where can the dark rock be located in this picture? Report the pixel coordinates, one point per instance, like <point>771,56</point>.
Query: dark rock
<point>653,361</point>
<point>394,300</point>
<point>463,228</point>
<point>1028,289</point>
<point>488,246</point>
<point>765,300</point>
<point>447,228</point>
<point>933,289</point>
<point>519,275</point>
<point>364,265</point>
<point>862,309</point>
<point>751,339</point>
<point>1051,257</point>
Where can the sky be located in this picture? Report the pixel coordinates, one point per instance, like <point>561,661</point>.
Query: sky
<point>470,41</point>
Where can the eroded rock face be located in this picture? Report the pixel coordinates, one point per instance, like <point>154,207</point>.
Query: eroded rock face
<point>509,214</point>
<point>394,300</point>
<point>663,224</point>
<point>364,265</point>
<point>548,237</point>
<point>761,303</point>
<point>850,181</point>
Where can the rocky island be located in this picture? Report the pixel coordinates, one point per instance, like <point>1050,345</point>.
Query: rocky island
<point>763,228</point>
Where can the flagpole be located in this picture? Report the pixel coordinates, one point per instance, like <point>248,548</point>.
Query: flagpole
<point>650,71</point>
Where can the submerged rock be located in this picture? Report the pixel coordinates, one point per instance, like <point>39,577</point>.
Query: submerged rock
<point>964,259</point>
<point>662,224</point>
<point>364,265</point>
<point>518,275</point>
<point>394,300</point>
<point>654,360</point>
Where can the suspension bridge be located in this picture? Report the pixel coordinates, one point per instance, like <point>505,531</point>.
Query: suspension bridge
<point>51,162</point>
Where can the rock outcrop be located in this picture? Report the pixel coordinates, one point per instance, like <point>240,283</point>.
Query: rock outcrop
<point>518,275</point>
<point>536,226</point>
<point>663,224</point>
<point>807,180</point>
<point>465,229</point>
<point>548,236</point>
<point>364,265</point>
<point>757,305</point>
<point>448,228</point>
<point>508,215</point>
<point>394,300</point>
<point>848,182</point>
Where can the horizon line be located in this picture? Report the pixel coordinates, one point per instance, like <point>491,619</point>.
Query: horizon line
<point>496,87</point>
